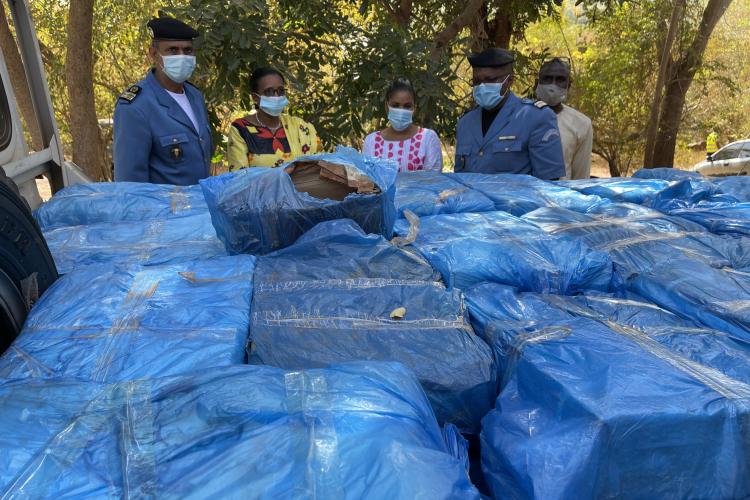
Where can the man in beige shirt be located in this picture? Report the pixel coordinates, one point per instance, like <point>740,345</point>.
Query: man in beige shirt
<point>576,132</point>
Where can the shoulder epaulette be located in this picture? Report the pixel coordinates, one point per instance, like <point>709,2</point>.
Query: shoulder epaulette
<point>131,93</point>
<point>466,112</point>
<point>540,104</point>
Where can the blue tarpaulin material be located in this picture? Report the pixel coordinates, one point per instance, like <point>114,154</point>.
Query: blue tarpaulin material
<point>629,190</point>
<point>519,194</point>
<point>352,300</point>
<point>719,218</point>
<point>350,431</point>
<point>669,174</point>
<point>637,237</point>
<point>494,246</point>
<point>688,193</point>
<point>152,242</point>
<point>83,204</point>
<point>110,325</point>
<point>580,414</point>
<point>736,186</point>
<point>694,274</point>
<point>432,193</point>
<point>257,211</point>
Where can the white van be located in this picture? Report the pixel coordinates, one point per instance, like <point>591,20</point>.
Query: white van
<point>26,266</point>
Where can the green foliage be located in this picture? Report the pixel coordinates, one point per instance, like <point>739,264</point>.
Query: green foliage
<point>340,55</point>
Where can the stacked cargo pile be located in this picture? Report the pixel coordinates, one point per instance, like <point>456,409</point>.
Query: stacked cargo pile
<point>591,339</point>
<point>130,377</point>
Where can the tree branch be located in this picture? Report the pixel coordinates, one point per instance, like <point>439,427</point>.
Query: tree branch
<point>454,28</point>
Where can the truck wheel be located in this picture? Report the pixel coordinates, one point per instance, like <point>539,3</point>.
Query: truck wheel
<point>26,265</point>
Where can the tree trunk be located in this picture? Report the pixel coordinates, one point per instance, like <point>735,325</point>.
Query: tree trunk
<point>678,10</point>
<point>88,147</point>
<point>491,33</point>
<point>479,28</point>
<point>18,81</point>
<point>501,30</point>
<point>443,39</point>
<point>679,84</point>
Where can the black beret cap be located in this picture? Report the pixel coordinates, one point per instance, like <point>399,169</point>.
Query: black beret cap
<point>490,58</point>
<point>169,28</point>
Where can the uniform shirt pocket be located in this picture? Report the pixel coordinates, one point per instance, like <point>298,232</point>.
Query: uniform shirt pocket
<point>168,140</point>
<point>506,144</point>
<point>174,146</point>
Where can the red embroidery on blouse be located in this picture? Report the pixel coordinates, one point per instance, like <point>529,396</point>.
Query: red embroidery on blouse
<point>265,133</point>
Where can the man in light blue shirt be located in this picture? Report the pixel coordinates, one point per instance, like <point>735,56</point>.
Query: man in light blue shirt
<point>161,129</point>
<point>504,133</point>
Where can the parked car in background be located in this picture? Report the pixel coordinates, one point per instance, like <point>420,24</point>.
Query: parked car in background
<point>732,159</point>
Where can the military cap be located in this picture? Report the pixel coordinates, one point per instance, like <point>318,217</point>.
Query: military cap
<point>169,28</point>
<point>555,66</point>
<point>490,58</point>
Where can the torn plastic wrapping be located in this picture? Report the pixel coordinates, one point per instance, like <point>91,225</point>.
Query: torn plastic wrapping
<point>431,193</point>
<point>367,309</point>
<point>110,325</point>
<point>580,414</point>
<point>98,202</point>
<point>468,249</point>
<point>153,242</point>
<point>261,210</point>
<point>519,194</point>
<point>350,431</point>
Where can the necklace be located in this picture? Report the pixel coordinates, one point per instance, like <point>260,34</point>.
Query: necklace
<point>272,129</point>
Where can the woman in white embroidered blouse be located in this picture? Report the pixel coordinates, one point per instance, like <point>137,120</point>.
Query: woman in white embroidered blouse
<point>412,147</point>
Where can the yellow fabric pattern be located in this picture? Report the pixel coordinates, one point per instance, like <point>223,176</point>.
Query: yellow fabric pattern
<point>302,136</point>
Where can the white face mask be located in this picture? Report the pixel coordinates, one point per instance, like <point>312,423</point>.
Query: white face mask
<point>400,118</point>
<point>178,68</point>
<point>551,93</point>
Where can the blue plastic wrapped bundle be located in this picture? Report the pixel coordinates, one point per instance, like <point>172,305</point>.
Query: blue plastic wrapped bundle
<point>134,322</point>
<point>350,431</point>
<point>153,242</point>
<point>718,298</point>
<point>368,309</point>
<point>261,210</point>
<point>495,246</point>
<point>519,194</point>
<point>668,174</point>
<point>431,193</point>
<point>719,218</point>
<point>93,203</point>
<point>580,415</point>
<point>688,193</point>
<point>736,186</point>
<point>339,249</point>
<point>641,238</point>
<point>629,190</point>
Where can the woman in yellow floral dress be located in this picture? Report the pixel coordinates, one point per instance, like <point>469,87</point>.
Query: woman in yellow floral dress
<point>269,137</point>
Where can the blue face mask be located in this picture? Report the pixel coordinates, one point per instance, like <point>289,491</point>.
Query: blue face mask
<point>488,96</point>
<point>400,118</point>
<point>274,106</point>
<point>178,68</point>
